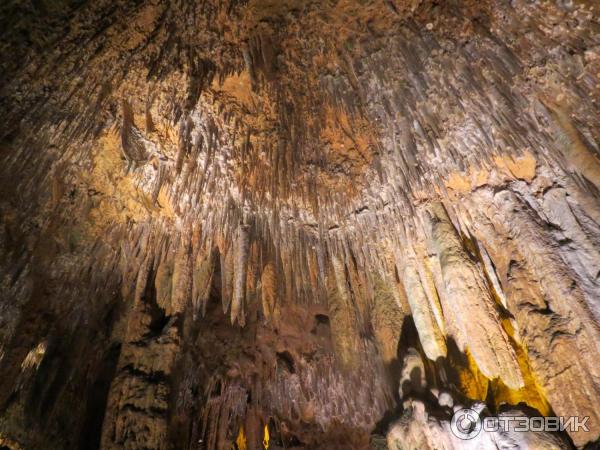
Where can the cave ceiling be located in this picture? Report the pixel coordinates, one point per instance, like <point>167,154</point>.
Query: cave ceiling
<point>243,223</point>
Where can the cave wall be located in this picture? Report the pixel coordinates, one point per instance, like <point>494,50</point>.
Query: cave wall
<point>220,216</point>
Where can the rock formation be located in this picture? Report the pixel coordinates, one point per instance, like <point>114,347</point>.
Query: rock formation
<point>311,224</point>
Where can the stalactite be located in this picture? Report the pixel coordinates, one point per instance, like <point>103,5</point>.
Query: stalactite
<point>240,272</point>
<point>466,289</point>
<point>386,317</point>
<point>164,281</point>
<point>131,138</point>
<point>430,334</point>
<point>269,291</point>
<point>182,281</point>
<point>202,279</point>
<point>227,276</point>
<point>343,319</point>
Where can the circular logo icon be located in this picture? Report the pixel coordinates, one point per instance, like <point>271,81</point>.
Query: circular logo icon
<point>465,424</point>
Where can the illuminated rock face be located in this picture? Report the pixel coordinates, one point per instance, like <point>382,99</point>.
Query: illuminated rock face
<point>221,217</point>
<point>435,419</point>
